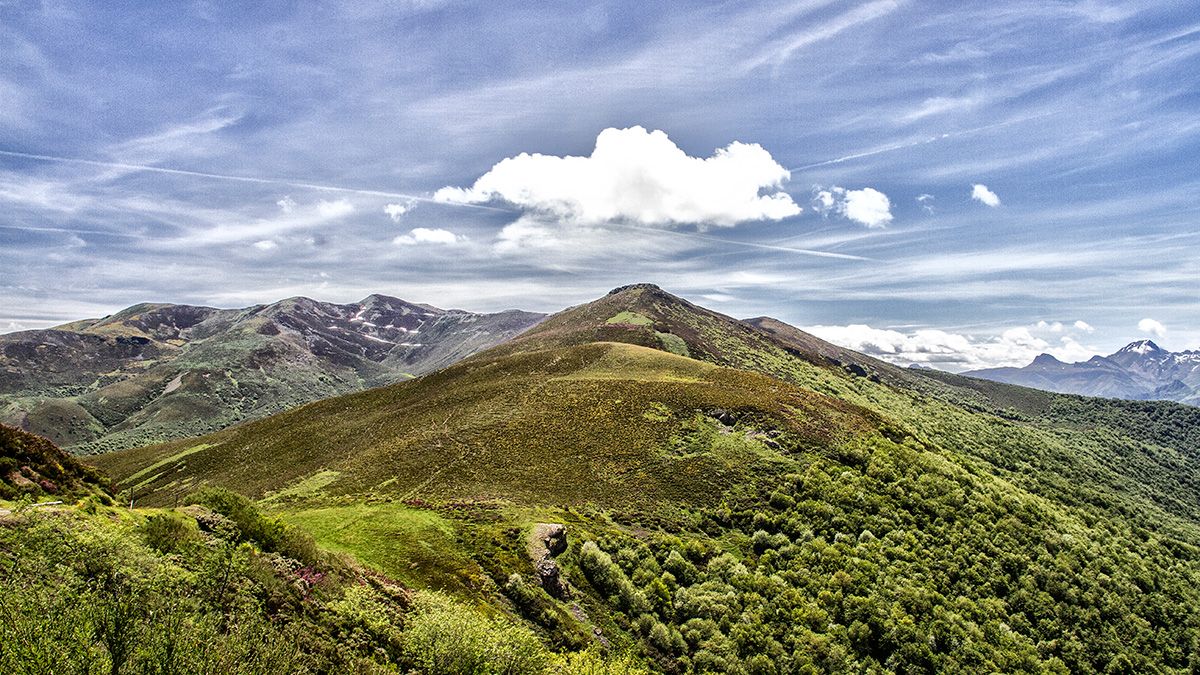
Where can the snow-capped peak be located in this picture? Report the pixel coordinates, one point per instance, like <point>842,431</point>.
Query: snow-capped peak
<point>1141,347</point>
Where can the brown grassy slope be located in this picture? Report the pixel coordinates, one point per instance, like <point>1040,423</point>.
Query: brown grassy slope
<point>644,314</point>
<point>601,422</point>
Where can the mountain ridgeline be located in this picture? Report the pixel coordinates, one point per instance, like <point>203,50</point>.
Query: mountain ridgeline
<point>155,372</point>
<point>742,497</point>
<point>1139,371</point>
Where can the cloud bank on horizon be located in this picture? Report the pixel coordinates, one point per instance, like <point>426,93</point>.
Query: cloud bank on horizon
<point>948,350</point>
<point>973,170</point>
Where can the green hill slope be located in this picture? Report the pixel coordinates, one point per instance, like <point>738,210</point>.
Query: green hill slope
<point>742,498</point>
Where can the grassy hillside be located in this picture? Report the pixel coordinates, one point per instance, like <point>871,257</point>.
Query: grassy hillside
<point>615,424</point>
<point>739,498</point>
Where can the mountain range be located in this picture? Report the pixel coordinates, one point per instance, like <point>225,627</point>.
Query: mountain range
<point>639,475</point>
<point>1140,371</point>
<point>154,372</point>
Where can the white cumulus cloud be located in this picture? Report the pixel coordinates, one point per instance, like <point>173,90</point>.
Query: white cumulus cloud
<point>287,204</point>
<point>396,211</point>
<point>425,235</point>
<point>265,245</point>
<point>1152,326</point>
<point>639,176</point>
<point>1084,326</point>
<point>981,194</point>
<point>867,206</point>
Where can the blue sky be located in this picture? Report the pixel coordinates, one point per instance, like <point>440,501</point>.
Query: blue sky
<point>211,154</point>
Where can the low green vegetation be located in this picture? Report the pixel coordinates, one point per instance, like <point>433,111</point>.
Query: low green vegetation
<point>414,546</point>
<point>33,468</point>
<point>674,344</point>
<point>305,488</point>
<point>151,472</point>
<point>221,587</point>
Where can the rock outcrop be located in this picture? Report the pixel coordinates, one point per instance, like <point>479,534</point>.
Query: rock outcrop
<point>546,541</point>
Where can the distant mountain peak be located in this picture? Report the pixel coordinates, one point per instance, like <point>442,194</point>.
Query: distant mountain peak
<point>1046,360</point>
<point>1140,370</point>
<point>1142,347</point>
<point>378,298</point>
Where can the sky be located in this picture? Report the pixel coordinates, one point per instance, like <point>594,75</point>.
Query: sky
<point>956,184</point>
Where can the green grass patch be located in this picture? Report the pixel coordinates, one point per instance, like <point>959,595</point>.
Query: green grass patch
<point>631,362</point>
<point>631,318</point>
<point>305,488</point>
<point>414,546</point>
<point>167,460</point>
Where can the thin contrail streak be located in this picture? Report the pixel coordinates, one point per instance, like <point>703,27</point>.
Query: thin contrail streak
<point>397,195</point>
<point>66,230</point>
<point>240,179</point>
<point>913,144</point>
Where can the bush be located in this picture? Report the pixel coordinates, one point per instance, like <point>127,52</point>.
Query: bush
<point>168,532</point>
<point>683,570</point>
<point>269,533</point>
<point>610,579</point>
<point>591,662</point>
<point>444,638</point>
<point>81,595</point>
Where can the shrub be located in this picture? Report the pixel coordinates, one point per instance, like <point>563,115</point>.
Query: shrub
<point>610,579</point>
<point>591,662</point>
<point>683,570</point>
<point>362,606</point>
<point>781,501</point>
<point>168,532</point>
<point>444,638</point>
<point>269,533</point>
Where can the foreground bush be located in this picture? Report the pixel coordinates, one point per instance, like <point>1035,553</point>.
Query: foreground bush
<point>445,638</point>
<point>120,593</point>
